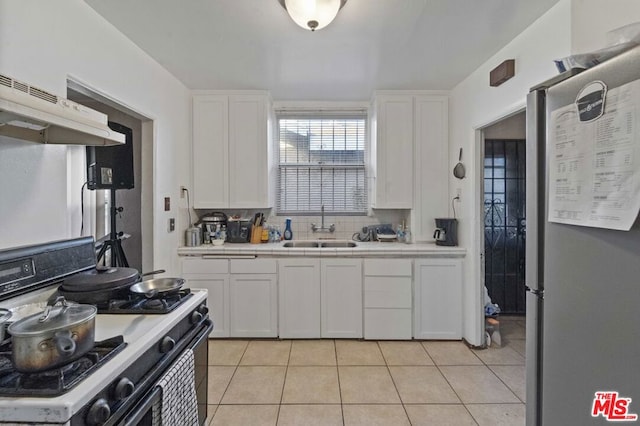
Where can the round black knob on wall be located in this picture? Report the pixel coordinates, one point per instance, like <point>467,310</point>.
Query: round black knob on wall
<point>124,388</point>
<point>99,412</point>
<point>167,344</point>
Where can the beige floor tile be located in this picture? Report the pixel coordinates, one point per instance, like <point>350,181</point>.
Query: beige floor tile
<point>477,384</point>
<point>211,411</point>
<point>374,415</point>
<point>311,385</point>
<point>422,385</point>
<point>255,385</point>
<point>404,353</point>
<point>367,385</point>
<point>310,415</point>
<point>499,356</point>
<point>355,352</point>
<point>498,414</point>
<point>451,353</point>
<point>439,415</point>
<point>226,352</point>
<point>267,352</point>
<point>512,330</point>
<point>518,345</point>
<point>219,378</point>
<point>514,377</point>
<point>244,415</point>
<point>313,352</point>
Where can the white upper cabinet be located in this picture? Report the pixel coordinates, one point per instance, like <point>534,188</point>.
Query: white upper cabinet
<point>231,149</point>
<point>392,152</point>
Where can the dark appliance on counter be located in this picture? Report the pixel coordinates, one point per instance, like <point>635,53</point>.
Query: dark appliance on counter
<point>129,372</point>
<point>446,233</point>
<point>239,230</point>
<point>211,223</point>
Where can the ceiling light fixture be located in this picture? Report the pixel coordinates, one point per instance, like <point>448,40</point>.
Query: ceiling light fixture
<point>312,14</point>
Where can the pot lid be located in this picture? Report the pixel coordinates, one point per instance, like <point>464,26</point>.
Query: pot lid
<point>59,318</point>
<point>101,278</point>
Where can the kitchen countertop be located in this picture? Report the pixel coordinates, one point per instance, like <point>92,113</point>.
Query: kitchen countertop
<point>363,249</point>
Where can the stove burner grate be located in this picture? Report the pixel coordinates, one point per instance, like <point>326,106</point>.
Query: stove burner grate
<point>143,305</point>
<point>58,380</point>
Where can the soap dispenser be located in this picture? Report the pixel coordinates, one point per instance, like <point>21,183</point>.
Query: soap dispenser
<point>288,234</point>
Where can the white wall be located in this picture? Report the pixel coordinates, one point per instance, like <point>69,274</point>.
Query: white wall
<point>44,42</point>
<point>572,26</point>
<point>474,104</point>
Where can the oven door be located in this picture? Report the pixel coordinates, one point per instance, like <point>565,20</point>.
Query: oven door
<point>148,410</point>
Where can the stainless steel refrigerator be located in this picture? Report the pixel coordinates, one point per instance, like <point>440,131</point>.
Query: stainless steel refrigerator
<point>583,277</point>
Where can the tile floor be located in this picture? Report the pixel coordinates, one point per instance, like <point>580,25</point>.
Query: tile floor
<point>354,382</point>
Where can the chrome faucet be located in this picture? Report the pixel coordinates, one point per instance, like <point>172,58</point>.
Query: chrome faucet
<point>331,228</point>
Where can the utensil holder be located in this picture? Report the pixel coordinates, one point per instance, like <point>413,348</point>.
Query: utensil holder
<point>256,235</point>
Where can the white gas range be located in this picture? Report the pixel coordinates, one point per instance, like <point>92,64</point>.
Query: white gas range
<point>133,351</point>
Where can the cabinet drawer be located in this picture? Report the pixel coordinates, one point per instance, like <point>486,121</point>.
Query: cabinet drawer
<point>387,267</point>
<point>205,266</point>
<point>387,324</point>
<point>253,266</point>
<point>387,292</point>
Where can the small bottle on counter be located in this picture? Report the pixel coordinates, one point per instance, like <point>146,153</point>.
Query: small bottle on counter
<point>288,233</point>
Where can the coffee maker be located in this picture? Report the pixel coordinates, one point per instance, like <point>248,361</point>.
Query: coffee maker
<point>446,233</point>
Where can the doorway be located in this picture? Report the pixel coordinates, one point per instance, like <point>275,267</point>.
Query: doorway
<point>504,213</point>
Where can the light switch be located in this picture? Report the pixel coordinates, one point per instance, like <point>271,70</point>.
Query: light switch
<point>167,204</point>
<point>172,224</point>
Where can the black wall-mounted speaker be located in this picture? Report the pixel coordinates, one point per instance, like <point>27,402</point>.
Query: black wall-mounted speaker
<point>111,167</point>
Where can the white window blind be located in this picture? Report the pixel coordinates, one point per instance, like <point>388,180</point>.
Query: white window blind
<point>321,160</point>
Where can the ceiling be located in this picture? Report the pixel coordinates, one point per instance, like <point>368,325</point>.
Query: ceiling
<point>372,44</point>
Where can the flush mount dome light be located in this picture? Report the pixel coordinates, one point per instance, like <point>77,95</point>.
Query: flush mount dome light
<point>312,14</point>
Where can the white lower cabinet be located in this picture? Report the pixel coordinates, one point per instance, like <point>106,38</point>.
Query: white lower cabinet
<point>387,299</point>
<point>341,298</point>
<point>299,298</point>
<point>253,307</point>
<point>212,275</point>
<point>438,299</point>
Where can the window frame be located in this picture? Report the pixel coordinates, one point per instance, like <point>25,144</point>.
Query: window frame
<point>359,111</point>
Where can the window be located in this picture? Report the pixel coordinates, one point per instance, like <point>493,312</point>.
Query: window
<point>321,161</point>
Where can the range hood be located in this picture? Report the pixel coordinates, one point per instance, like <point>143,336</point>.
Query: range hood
<point>32,114</point>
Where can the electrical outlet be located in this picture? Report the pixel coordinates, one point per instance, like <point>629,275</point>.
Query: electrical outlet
<point>172,224</point>
<point>458,193</point>
<point>183,189</point>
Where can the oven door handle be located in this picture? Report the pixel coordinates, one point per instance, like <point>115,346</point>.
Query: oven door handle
<point>143,407</point>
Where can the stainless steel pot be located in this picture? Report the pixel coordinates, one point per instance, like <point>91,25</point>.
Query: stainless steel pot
<point>157,287</point>
<point>53,338</point>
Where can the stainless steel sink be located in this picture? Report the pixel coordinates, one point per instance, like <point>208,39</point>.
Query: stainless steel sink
<point>337,244</point>
<point>301,244</point>
<point>319,244</point>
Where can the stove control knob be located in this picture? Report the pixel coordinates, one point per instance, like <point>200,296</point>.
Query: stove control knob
<point>167,344</point>
<point>99,412</point>
<point>124,388</point>
<point>203,309</point>
<point>196,317</point>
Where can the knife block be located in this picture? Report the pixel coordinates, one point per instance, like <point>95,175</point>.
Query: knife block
<point>256,235</point>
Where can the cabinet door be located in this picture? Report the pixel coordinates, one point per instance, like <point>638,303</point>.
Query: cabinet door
<point>299,298</point>
<point>248,151</point>
<point>394,152</point>
<point>341,298</point>
<point>210,151</point>
<point>253,305</point>
<point>432,166</point>
<point>217,287</point>
<point>438,299</point>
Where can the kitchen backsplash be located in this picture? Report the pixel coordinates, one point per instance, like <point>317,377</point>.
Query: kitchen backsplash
<point>345,226</point>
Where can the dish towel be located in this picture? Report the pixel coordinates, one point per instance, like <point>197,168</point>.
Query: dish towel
<point>179,403</point>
